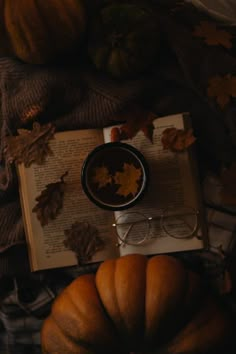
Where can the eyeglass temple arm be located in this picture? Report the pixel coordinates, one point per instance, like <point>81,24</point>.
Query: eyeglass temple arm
<point>122,242</point>
<point>150,218</point>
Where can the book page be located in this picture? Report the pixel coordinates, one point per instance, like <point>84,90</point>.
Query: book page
<point>46,243</point>
<point>172,185</point>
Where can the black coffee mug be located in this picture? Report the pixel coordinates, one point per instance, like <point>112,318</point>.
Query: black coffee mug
<point>114,176</point>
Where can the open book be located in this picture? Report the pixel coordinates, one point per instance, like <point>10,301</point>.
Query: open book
<point>173,181</point>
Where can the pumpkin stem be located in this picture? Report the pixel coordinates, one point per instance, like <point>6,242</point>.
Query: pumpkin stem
<point>116,39</point>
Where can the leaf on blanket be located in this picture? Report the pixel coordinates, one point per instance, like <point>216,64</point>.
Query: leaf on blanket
<point>222,87</point>
<point>137,120</point>
<point>30,145</point>
<point>212,35</point>
<point>228,181</point>
<point>177,140</point>
<point>102,177</point>
<point>31,113</point>
<point>83,239</point>
<point>50,201</point>
<point>128,180</point>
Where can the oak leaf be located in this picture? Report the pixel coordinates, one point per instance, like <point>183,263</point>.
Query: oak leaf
<point>128,180</point>
<point>228,181</point>
<point>30,145</point>
<point>50,201</point>
<point>83,239</point>
<point>137,120</point>
<point>212,35</point>
<point>222,88</point>
<point>177,140</point>
<point>102,176</point>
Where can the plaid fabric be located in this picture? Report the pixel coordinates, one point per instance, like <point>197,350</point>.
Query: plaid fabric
<point>27,304</point>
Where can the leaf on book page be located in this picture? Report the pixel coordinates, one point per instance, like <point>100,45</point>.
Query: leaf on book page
<point>228,181</point>
<point>83,239</point>
<point>177,140</point>
<point>50,201</point>
<point>128,180</point>
<point>212,35</point>
<point>137,120</point>
<point>102,177</point>
<point>223,88</point>
<point>30,145</point>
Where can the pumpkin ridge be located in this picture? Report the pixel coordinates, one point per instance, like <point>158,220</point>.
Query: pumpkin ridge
<point>106,310</point>
<point>171,294</point>
<point>60,331</point>
<point>25,21</point>
<point>40,31</point>
<point>210,319</point>
<point>131,328</point>
<point>116,298</point>
<point>44,22</point>
<point>202,322</point>
<point>71,18</point>
<point>8,23</point>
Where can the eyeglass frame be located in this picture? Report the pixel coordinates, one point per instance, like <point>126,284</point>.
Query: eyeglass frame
<point>149,220</point>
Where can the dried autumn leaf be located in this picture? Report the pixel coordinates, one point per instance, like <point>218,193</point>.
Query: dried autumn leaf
<point>83,239</point>
<point>212,35</point>
<point>50,201</point>
<point>102,176</point>
<point>30,146</point>
<point>128,180</point>
<point>30,113</point>
<point>115,134</point>
<point>177,140</point>
<point>228,181</point>
<point>137,120</point>
<point>222,88</point>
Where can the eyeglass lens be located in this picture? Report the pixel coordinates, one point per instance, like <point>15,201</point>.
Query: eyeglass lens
<point>132,228</point>
<point>179,222</point>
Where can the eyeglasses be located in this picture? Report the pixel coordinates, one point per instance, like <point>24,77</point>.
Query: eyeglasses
<point>134,228</point>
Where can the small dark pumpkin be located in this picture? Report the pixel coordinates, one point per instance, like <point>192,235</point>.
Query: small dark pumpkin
<point>40,30</point>
<point>124,40</point>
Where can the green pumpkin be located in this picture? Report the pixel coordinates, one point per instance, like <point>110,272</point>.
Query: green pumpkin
<point>124,40</point>
<point>39,31</point>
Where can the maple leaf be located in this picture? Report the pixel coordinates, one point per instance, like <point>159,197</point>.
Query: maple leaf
<point>128,180</point>
<point>222,88</point>
<point>83,239</point>
<point>177,140</point>
<point>50,201</point>
<point>102,176</point>
<point>212,35</point>
<point>137,120</point>
<point>228,181</point>
<point>30,145</point>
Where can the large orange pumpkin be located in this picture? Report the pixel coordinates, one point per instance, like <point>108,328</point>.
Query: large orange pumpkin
<point>40,30</point>
<point>135,304</point>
